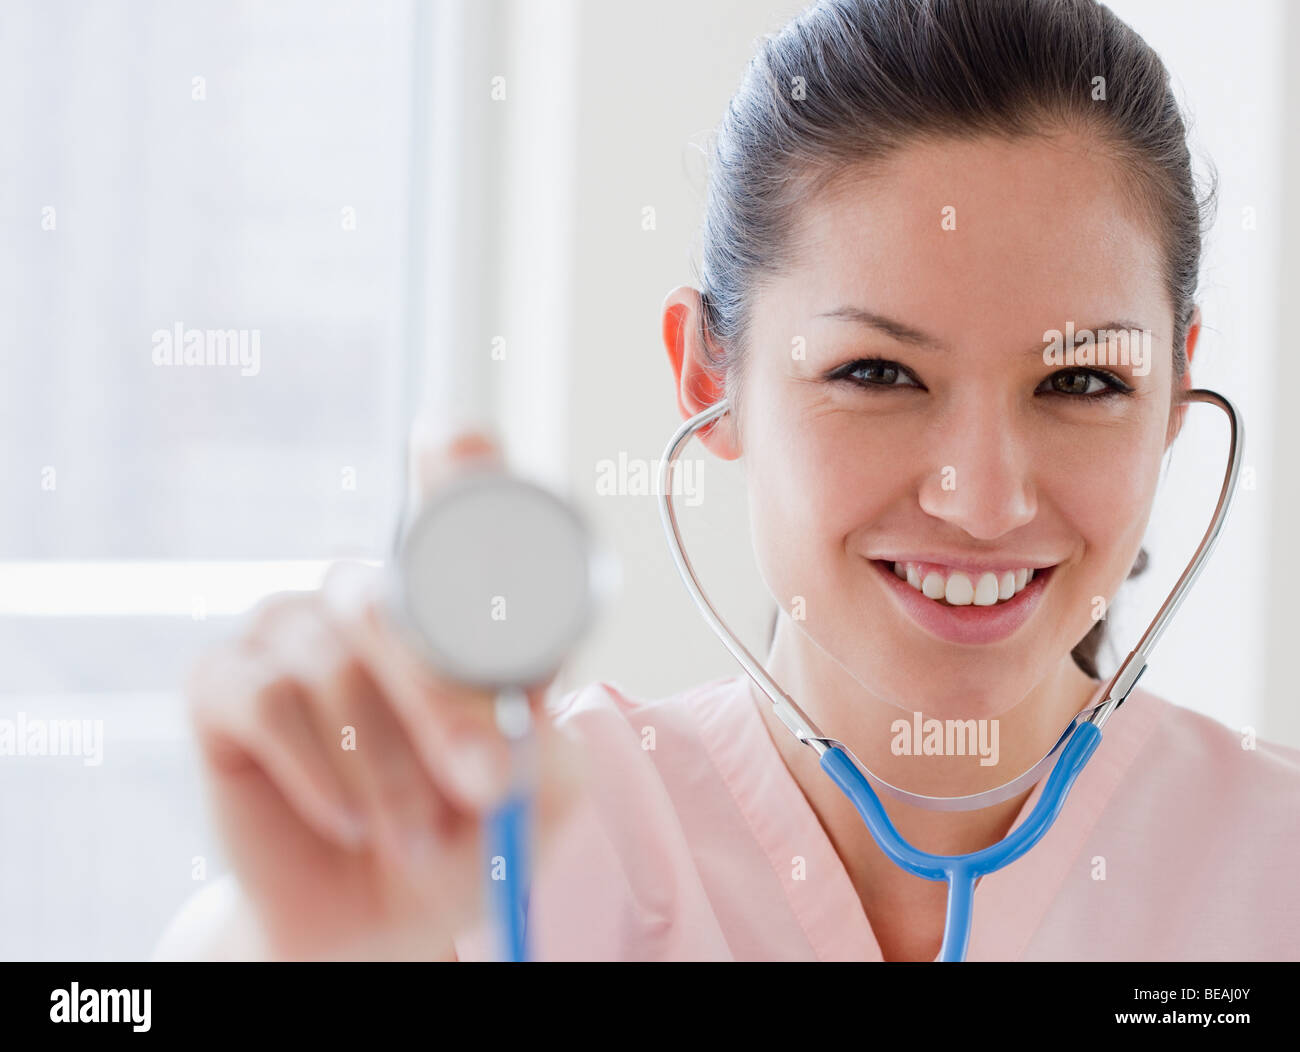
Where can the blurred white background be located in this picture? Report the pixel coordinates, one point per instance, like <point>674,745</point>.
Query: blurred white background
<point>337,178</point>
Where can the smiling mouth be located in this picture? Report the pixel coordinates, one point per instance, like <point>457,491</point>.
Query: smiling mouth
<point>969,610</point>
<point>947,586</point>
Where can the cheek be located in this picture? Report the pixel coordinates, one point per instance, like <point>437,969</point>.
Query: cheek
<point>1105,498</point>
<point>809,489</point>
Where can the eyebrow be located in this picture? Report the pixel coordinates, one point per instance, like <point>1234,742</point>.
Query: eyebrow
<point>916,338</point>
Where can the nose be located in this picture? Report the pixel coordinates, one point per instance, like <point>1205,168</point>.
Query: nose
<point>981,481</point>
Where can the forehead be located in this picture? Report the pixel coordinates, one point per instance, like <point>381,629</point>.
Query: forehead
<point>953,234</point>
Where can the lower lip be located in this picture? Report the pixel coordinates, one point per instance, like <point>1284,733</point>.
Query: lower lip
<point>972,624</point>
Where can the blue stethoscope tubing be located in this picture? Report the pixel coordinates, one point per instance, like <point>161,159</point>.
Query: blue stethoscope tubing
<point>962,871</point>
<point>1075,746</point>
<point>507,829</point>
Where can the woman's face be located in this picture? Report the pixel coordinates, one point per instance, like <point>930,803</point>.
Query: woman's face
<point>961,451</point>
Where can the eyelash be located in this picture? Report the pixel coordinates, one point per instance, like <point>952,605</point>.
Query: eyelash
<point>1113,384</point>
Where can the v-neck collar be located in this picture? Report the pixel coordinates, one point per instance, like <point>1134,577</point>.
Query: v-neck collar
<point>1009,905</point>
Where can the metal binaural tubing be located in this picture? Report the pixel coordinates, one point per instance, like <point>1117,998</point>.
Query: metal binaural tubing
<point>787,711</point>
<point>1116,690</point>
<point>1123,681</point>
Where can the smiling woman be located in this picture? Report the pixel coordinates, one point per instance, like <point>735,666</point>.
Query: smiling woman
<point>897,191</point>
<point>952,429</point>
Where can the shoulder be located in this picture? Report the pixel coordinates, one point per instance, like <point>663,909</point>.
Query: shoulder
<point>1217,757</point>
<point>666,751</point>
<point>627,860</point>
<point>609,696</point>
<point>607,714</point>
<point>653,753</point>
<point>1193,780</point>
<point>1200,840</point>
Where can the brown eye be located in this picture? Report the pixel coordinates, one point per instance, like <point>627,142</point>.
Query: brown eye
<point>879,372</point>
<point>1075,383</point>
<point>875,372</point>
<point>1084,383</point>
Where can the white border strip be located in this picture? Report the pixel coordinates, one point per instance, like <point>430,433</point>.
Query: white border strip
<point>149,588</point>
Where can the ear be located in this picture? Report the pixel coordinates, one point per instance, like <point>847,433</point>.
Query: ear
<point>1180,412</point>
<point>698,385</point>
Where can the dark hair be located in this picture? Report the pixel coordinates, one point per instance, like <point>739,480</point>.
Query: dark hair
<point>849,81</point>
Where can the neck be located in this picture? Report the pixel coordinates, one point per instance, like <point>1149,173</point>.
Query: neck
<point>885,739</point>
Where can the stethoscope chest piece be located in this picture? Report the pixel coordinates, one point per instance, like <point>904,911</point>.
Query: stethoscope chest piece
<point>495,580</point>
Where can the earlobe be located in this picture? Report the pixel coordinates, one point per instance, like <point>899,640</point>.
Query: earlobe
<point>1193,334</point>
<point>698,383</point>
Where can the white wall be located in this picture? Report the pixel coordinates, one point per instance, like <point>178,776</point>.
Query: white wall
<point>645,110</point>
<point>1215,658</point>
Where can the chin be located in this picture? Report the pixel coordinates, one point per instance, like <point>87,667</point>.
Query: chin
<point>960,696</point>
<point>937,679</point>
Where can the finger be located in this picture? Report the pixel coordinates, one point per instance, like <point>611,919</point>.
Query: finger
<point>562,768</point>
<point>250,713</point>
<point>451,726</point>
<point>373,753</point>
<point>397,787</point>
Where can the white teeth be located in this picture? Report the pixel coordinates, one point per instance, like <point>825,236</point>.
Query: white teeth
<point>957,589</point>
<point>986,592</point>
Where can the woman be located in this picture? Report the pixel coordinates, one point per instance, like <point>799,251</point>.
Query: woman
<point>908,197</point>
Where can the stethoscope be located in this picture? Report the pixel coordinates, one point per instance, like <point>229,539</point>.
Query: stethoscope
<point>1076,744</point>
<point>494,581</point>
<point>496,578</point>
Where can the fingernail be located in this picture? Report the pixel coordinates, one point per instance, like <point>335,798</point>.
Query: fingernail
<point>476,768</point>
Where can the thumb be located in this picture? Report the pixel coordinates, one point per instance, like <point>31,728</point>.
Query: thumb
<point>440,449</point>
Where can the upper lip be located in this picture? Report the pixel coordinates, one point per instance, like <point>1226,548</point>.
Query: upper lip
<point>969,563</point>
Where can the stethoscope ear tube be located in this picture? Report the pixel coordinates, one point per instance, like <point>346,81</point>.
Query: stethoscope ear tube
<point>1076,745</point>
<point>1132,667</point>
<point>1112,696</point>
<point>787,710</point>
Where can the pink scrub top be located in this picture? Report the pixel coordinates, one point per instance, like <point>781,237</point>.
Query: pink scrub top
<point>690,850</point>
